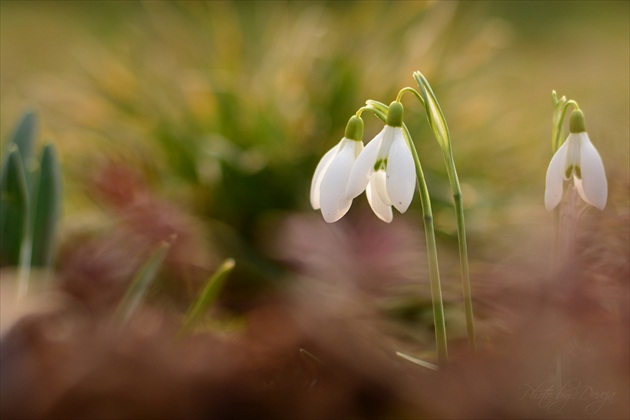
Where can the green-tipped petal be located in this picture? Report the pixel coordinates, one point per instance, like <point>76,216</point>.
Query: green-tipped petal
<point>376,192</point>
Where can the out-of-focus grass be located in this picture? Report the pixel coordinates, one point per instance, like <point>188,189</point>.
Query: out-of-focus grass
<point>225,107</point>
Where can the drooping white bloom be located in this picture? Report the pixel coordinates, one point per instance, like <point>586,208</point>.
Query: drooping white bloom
<point>328,187</point>
<point>385,170</point>
<point>577,160</point>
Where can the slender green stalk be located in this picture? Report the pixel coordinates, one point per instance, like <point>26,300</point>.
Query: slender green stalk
<point>139,286</point>
<point>208,295</point>
<point>442,135</point>
<point>434,272</point>
<point>463,254</point>
<point>380,110</point>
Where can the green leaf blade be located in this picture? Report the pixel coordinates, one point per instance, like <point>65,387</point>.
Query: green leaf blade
<point>140,284</point>
<point>24,137</point>
<point>208,295</point>
<point>14,208</point>
<point>47,207</point>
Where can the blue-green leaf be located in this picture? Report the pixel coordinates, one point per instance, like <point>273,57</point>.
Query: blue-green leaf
<point>14,204</point>
<point>24,138</point>
<point>47,205</point>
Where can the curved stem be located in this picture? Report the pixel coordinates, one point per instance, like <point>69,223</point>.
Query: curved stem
<point>558,129</point>
<point>463,249</point>
<point>380,110</point>
<point>367,108</point>
<point>440,130</point>
<point>434,271</point>
<point>412,90</point>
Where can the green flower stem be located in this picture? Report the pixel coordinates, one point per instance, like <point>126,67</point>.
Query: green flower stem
<point>442,136</point>
<point>380,110</point>
<point>434,272</point>
<point>463,250</point>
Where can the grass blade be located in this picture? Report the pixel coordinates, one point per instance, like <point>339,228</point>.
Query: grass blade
<point>417,361</point>
<point>208,295</point>
<point>140,284</point>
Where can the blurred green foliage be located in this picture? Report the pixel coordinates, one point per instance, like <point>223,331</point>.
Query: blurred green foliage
<point>226,107</point>
<point>30,199</point>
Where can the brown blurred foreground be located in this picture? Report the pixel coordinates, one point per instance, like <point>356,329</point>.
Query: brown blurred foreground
<point>550,347</point>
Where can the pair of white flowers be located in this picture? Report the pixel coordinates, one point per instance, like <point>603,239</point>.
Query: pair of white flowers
<point>577,160</point>
<point>384,169</point>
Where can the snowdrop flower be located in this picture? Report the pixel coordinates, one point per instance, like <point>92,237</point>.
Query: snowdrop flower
<point>385,169</point>
<point>328,188</point>
<point>577,159</point>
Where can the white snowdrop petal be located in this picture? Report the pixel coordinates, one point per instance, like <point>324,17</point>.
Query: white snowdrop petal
<point>363,167</point>
<point>319,174</point>
<point>378,181</point>
<point>594,184</point>
<point>401,173</point>
<point>333,201</point>
<point>382,210</point>
<point>555,177</point>
<point>358,148</point>
<point>579,188</point>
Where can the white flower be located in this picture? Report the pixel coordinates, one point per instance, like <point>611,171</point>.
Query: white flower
<point>386,171</point>
<point>577,159</point>
<point>328,188</point>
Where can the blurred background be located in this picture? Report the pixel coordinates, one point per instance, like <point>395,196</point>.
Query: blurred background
<point>207,119</point>
<point>202,122</point>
